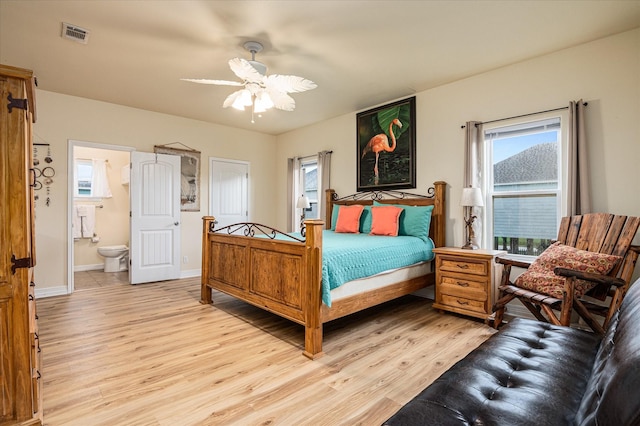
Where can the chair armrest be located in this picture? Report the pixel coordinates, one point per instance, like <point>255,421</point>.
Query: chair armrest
<point>596,278</point>
<point>513,262</point>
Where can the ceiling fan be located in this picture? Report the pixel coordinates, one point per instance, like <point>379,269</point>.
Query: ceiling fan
<point>260,91</point>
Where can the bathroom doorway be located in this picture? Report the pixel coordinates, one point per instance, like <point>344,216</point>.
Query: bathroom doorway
<point>108,220</point>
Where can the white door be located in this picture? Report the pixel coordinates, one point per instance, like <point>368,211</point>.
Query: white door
<point>229,191</point>
<point>155,217</point>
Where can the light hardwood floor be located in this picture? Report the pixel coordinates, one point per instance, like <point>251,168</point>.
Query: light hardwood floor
<point>151,354</point>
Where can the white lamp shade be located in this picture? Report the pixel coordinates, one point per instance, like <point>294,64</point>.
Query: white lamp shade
<point>303,202</point>
<point>471,197</point>
<point>263,102</point>
<point>242,100</point>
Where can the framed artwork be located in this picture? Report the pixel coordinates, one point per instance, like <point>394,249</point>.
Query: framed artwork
<point>189,175</point>
<point>386,157</point>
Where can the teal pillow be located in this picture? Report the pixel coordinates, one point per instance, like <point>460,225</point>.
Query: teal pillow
<point>334,216</point>
<point>365,219</point>
<point>414,220</point>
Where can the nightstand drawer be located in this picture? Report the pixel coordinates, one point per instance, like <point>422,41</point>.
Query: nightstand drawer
<point>461,287</point>
<point>463,303</point>
<point>463,265</point>
<point>464,280</point>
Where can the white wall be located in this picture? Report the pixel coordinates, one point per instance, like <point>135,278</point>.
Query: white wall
<point>61,117</point>
<point>605,73</point>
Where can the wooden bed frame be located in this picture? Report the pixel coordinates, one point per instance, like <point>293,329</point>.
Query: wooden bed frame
<point>283,275</point>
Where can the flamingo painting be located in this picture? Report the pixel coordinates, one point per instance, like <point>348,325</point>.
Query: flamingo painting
<point>380,143</point>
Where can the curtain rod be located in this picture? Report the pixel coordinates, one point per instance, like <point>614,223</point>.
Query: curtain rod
<point>106,160</point>
<point>523,115</point>
<point>311,156</point>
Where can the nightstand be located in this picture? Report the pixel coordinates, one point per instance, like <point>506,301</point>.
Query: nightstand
<point>465,280</point>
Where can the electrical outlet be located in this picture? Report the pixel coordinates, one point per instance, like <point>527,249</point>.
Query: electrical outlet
<point>185,259</point>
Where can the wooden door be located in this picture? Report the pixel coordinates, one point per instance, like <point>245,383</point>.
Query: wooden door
<point>19,359</point>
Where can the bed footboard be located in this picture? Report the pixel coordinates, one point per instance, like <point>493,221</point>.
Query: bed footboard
<point>283,275</point>
<point>274,273</point>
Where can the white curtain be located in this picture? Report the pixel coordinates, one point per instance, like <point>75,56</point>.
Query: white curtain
<point>100,180</point>
<point>290,194</point>
<point>473,175</point>
<point>578,198</point>
<point>324,183</point>
<point>294,190</point>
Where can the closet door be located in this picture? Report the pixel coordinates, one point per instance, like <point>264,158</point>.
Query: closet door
<point>19,355</point>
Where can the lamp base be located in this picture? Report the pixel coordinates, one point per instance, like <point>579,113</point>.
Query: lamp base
<point>470,234</point>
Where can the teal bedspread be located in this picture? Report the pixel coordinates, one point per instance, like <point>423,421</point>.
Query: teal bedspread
<point>347,257</point>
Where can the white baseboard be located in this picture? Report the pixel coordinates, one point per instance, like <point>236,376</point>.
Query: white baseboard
<point>190,273</point>
<point>51,291</point>
<point>83,268</point>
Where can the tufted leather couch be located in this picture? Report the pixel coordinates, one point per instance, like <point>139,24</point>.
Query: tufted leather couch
<point>534,373</point>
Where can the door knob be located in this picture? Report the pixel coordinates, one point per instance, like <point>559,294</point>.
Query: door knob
<point>176,223</point>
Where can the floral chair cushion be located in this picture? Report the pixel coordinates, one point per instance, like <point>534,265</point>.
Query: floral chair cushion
<point>540,277</point>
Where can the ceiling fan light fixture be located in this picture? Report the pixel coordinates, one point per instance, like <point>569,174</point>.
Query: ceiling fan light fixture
<point>242,100</point>
<point>263,102</point>
<point>257,108</point>
<point>261,92</point>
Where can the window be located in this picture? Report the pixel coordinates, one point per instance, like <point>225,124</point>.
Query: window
<point>84,178</point>
<point>524,176</point>
<point>309,185</point>
<point>91,181</point>
<point>309,176</point>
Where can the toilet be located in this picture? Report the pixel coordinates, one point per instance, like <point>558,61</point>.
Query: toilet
<point>116,258</point>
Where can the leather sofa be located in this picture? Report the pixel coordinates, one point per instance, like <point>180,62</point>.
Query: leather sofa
<point>534,373</point>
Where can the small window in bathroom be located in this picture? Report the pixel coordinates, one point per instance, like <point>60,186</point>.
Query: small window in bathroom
<point>90,179</point>
<point>84,178</point>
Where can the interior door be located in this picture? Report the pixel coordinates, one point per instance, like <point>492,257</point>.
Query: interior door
<point>229,188</point>
<point>155,217</point>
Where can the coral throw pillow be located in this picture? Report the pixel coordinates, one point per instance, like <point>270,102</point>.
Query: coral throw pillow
<point>540,277</point>
<point>414,221</point>
<point>385,220</point>
<point>349,219</point>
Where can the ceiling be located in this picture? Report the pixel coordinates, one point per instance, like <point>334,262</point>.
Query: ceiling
<point>360,53</point>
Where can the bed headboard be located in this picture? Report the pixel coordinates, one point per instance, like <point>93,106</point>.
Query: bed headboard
<point>435,197</point>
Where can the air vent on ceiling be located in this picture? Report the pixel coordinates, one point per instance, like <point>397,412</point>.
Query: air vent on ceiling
<point>73,32</point>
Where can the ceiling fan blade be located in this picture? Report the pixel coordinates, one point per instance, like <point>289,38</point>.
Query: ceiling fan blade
<point>245,71</point>
<point>281,100</point>
<point>218,82</point>
<point>289,83</point>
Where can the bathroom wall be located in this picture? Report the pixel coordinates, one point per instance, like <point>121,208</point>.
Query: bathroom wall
<point>112,220</point>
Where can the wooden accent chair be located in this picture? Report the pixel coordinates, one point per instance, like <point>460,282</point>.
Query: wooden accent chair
<point>593,236</point>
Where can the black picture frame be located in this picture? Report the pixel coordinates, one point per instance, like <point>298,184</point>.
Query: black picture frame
<point>379,135</point>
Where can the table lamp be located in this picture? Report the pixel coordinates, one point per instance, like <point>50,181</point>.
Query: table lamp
<point>303,203</point>
<point>471,197</point>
